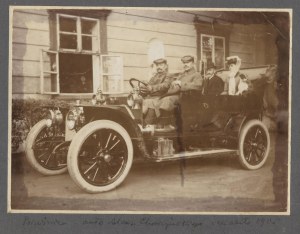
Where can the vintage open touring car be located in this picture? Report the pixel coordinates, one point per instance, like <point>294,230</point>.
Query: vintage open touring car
<point>97,142</point>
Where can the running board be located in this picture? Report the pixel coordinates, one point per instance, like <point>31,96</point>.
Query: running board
<point>194,154</point>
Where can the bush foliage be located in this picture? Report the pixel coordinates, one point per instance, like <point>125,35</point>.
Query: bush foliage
<point>25,114</point>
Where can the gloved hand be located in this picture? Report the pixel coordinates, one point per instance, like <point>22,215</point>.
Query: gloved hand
<point>176,82</point>
<point>145,90</point>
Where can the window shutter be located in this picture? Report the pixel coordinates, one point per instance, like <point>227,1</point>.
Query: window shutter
<point>49,66</point>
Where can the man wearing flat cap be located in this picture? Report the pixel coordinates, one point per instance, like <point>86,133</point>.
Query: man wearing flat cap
<point>212,84</point>
<point>157,86</point>
<point>189,79</point>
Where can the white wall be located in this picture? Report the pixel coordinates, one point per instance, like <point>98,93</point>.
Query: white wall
<point>129,33</point>
<point>30,34</point>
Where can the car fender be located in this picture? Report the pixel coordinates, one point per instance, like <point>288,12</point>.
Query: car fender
<point>124,117</point>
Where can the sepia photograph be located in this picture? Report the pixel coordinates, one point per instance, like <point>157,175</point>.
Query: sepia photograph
<point>149,110</point>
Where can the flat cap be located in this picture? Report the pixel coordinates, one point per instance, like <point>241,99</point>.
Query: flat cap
<point>187,58</point>
<point>158,61</point>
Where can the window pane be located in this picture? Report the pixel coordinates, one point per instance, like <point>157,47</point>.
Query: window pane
<point>49,62</point>
<point>207,43</point>
<point>50,82</point>
<point>75,73</point>
<point>86,43</point>
<point>207,56</point>
<point>219,52</point>
<point>112,84</point>
<point>67,24</point>
<point>219,43</point>
<point>219,58</point>
<point>68,41</point>
<point>88,27</point>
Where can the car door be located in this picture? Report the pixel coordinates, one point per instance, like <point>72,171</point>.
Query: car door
<point>197,110</point>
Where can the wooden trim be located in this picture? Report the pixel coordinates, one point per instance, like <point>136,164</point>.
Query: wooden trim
<point>103,34</point>
<point>49,72</point>
<point>53,32</point>
<point>78,34</point>
<point>82,13</point>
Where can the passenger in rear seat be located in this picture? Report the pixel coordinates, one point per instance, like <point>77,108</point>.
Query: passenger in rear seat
<point>213,84</point>
<point>236,83</point>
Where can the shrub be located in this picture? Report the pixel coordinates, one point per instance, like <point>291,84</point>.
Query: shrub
<point>25,114</point>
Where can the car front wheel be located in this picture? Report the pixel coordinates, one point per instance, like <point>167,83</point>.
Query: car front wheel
<point>45,150</point>
<point>254,145</point>
<point>100,156</point>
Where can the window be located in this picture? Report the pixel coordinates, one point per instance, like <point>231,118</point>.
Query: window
<point>213,50</point>
<point>78,33</point>
<point>49,72</point>
<point>112,71</point>
<point>212,42</point>
<point>73,65</point>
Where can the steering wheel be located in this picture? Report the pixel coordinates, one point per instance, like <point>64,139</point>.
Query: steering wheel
<point>140,86</point>
<point>132,80</point>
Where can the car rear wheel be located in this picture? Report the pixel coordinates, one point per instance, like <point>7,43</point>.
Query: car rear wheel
<point>45,150</point>
<point>100,156</point>
<point>254,145</point>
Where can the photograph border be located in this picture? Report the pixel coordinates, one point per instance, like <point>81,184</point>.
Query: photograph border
<point>12,8</point>
<point>292,103</point>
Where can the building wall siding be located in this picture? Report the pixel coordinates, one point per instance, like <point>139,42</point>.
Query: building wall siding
<point>129,34</point>
<point>30,34</point>
<point>249,43</point>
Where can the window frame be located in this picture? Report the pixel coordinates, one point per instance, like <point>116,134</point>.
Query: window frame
<point>43,71</point>
<point>213,50</point>
<point>78,33</point>
<point>213,28</point>
<point>100,35</point>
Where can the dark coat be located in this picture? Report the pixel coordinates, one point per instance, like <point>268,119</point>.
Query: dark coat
<point>213,86</point>
<point>160,83</point>
<point>190,80</point>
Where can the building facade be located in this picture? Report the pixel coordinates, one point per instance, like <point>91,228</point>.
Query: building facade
<point>71,53</point>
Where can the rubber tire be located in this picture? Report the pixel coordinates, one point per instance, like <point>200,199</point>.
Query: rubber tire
<point>75,147</point>
<point>244,131</point>
<point>32,135</point>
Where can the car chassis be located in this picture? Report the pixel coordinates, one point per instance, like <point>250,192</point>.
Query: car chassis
<point>97,143</point>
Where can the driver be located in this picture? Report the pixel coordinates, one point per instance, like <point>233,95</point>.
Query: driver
<point>157,86</point>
